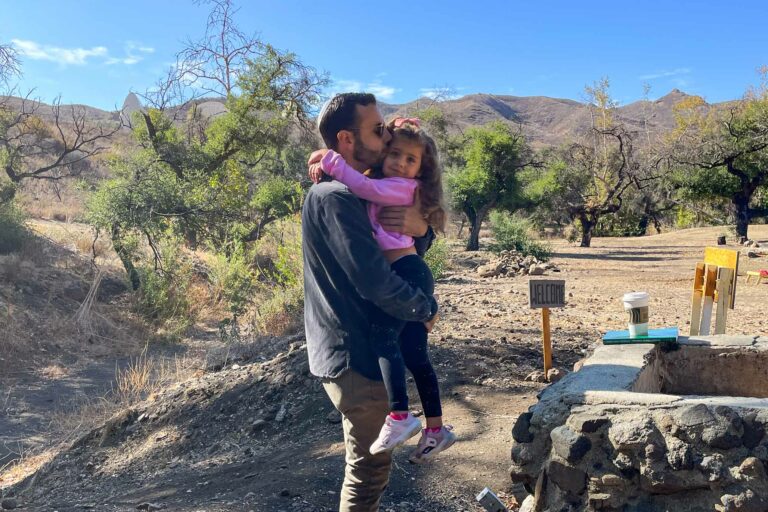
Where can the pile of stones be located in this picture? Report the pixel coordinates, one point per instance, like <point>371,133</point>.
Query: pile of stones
<point>512,263</point>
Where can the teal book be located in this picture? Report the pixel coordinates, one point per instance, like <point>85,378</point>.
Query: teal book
<point>665,334</point>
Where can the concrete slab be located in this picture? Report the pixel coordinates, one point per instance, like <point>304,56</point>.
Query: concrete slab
<point>720,340</point>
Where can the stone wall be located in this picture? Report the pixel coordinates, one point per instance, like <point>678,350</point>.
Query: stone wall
<point>592,444</point>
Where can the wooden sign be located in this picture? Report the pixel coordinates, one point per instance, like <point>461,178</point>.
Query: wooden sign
<point>724,258</point>
<point>544,294</point>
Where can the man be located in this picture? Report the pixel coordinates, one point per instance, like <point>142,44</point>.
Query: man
<point>344,272</point>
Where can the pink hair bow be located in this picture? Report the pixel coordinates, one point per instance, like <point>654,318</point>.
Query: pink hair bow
<point>400,121</point>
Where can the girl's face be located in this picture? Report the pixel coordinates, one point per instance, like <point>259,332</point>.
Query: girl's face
<point>403,159</point>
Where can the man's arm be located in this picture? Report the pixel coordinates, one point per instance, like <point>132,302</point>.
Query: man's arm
<point>349,237</point>
<point>410,221</point>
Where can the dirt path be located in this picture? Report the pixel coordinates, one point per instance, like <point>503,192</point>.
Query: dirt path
<point>234,450</point>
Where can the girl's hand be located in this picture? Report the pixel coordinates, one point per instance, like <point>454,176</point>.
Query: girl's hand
<point>315,171</point>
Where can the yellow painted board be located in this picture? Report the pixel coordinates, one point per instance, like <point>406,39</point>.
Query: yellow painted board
<point>727,258</point>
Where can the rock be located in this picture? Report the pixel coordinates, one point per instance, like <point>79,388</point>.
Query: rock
<point>536,376</point>
<point>150,506</point>
<point>521,431</point>
<point>746,501</point>
<point>334,417</point>
<point>679,454</point>
<point>568,444</point>
<point>258,425</point>
<point>490,270</point>
<point>527,505</point>
<point>712,466</point>
<point>611,480</point>
<point>631,434</point>
<point>9,504</point>
<point>694,415</point>
<point>725,433</point>
<point>753,432</point>
<point>536,270</point>
<point>587,423</point>
<point>569,479</point>
<point>654,452</point>
<point>280,416</point>
<point>555,374</point>
<point>524,453</point>
<point>752,469</point>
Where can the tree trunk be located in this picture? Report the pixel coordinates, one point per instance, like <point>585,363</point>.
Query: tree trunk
<point>133,274</point>
<point>473,244</point>
<point>741,203</point>
<point>587,227</point>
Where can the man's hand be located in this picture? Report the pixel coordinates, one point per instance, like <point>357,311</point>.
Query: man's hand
<point>315,171</point>
<point>407,220</point>
<point>431,323</point>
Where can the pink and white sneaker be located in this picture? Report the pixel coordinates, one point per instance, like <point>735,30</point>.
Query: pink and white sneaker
<point>432,443</point>
<point>394,433</point>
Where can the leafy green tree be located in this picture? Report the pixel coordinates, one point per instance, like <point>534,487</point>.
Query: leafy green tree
<point>220,180</point>
<point>494,155</point>
<point>587,181</point>
<point>722,153</point>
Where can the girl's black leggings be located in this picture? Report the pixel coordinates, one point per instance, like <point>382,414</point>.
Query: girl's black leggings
<point>400,345</point>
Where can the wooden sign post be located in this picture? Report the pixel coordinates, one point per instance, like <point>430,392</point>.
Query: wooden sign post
<point>544,294</point>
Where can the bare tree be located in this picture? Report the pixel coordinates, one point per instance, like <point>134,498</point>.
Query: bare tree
<point>36,148</point>
<point>213,63</point>
<point>10,65</point>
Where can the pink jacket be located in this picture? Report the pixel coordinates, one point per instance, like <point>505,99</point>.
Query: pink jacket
<point>378,193</point>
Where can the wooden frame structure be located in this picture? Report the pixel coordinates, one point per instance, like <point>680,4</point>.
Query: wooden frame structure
<point>714,282</point>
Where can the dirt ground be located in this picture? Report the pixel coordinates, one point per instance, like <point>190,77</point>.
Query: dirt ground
<point>258,433</point>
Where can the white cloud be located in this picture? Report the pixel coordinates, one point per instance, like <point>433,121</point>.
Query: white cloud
<point>66,56</point>
<point>666,74</point>
<point>80,56</point>
<point>384,92</point>
<point>444,93</point>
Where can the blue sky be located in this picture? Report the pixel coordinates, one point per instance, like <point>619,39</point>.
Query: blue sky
<point>95,51</point>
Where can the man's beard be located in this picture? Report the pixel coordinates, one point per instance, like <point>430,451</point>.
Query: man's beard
<point>367,156</point>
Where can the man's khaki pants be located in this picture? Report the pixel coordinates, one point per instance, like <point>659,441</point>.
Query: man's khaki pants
<point>363,406</point>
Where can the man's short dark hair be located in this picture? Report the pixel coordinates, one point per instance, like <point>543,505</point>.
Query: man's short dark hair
<point>340,113</point>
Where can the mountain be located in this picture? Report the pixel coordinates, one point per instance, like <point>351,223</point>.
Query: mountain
<point>545,121</point>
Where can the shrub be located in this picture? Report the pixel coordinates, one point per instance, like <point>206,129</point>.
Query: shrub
<point>162,297</point>
<point>13,233</point>
<point>515,233</point>
<point>233,279</point>
<point>437,257</point>
<point>282,310</point>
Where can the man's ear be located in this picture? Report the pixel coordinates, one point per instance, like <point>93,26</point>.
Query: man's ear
<point>345,137</point>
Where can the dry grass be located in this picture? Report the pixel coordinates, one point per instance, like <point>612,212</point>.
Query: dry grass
<point>145,376</point>
<point>25,465</point>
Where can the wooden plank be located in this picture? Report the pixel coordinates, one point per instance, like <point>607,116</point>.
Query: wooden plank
<point>547,339</point>
<point>698,293</point>
<point>724,280</point>
<point>727,258</point>
<point>710,281</point>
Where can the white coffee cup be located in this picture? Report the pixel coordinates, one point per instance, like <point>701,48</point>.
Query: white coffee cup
<point>636,304</point>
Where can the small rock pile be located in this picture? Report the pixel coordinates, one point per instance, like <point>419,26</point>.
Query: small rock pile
<point>512,263</point>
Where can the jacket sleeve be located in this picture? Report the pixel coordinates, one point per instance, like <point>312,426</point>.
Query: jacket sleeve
<point>384,192</point>
<point>350,239</point>
<point>423,243</point>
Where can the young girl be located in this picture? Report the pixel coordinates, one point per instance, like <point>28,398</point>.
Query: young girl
<point>410,167</point>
